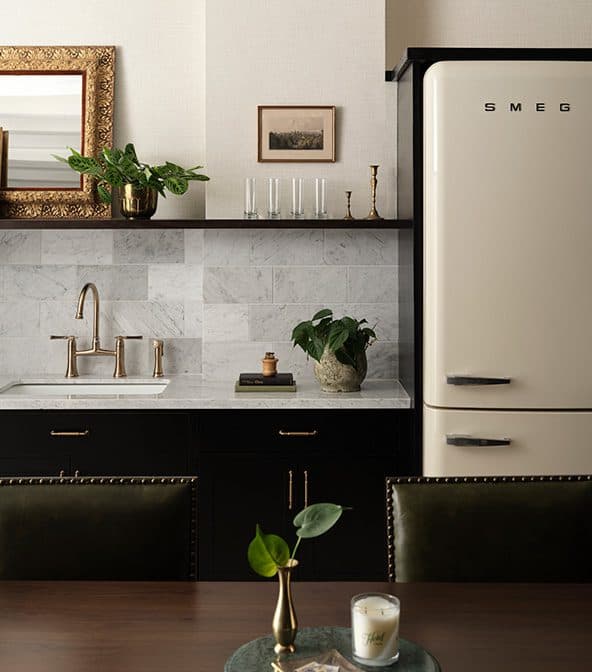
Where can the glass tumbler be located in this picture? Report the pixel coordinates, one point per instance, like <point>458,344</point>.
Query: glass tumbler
<point>297,211</point>
<point>273,198</point>
<point>250,211</point>
<point>375,628</point>
<point>320,202</point>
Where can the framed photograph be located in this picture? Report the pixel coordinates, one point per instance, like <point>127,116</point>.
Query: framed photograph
<point>296,133</point>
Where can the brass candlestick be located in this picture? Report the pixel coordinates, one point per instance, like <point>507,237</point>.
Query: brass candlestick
<point>373,214</point>
<point>348,214</point>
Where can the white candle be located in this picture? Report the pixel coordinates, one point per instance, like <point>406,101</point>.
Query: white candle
<point>375,628</point>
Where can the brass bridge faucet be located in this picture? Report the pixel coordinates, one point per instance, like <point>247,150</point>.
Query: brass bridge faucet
<point>95,350</point>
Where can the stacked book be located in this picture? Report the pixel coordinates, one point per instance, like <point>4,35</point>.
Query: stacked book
<point>257,382</point>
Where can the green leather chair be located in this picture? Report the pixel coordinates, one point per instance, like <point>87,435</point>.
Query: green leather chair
<point>98,528</point>
<point>528,529</point>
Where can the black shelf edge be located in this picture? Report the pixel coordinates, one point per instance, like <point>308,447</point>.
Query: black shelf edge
<point>116,223</point>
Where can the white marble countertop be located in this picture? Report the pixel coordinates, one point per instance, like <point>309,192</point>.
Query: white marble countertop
<point>192,392</point>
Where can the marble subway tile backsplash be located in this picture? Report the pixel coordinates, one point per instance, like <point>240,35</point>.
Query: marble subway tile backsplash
<point>218,298</point>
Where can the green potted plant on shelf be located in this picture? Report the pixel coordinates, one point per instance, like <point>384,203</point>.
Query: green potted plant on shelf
<point>138,183</point>
<point>338,348</point>
<point>269,554</point>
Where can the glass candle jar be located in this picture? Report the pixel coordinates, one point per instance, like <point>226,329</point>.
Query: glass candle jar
<point>375,628</point>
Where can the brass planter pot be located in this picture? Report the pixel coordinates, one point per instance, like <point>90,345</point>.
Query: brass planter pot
<point>285,624</point>
<point>136,202</point>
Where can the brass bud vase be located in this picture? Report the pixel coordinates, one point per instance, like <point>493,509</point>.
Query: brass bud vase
<point>137,202</point>
<point>284,624</point>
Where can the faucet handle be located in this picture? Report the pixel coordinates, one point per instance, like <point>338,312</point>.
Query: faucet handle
<point>128,338</point>
<point>61,338</point>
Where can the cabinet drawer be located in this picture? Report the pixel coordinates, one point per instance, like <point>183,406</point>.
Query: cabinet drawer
<point>324,431</point>
<point>95,443</point>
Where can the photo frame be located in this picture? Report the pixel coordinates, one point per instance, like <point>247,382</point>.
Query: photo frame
<point>296,133</point>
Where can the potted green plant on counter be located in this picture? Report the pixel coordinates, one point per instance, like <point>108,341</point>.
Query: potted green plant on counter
<point>338,348</point>
<point>138,183</point>
<point>269,554</point>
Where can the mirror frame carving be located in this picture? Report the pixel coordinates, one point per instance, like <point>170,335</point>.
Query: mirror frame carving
<point>97,65</point>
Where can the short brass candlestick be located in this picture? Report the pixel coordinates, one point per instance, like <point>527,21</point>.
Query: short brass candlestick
<point>373,214</point>
<point>348,214</point>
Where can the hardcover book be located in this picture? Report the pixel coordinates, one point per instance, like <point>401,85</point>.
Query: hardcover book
<point>260,379</point>
<point>264,388</point>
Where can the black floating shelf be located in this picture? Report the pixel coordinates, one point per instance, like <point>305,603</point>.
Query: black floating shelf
<point>114,223</point>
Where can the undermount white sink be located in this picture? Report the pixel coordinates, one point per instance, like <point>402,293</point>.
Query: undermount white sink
<point>84,389</point>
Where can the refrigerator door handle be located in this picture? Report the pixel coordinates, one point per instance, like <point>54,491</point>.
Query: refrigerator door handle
<point>476,380</point>
<point>459,440</point>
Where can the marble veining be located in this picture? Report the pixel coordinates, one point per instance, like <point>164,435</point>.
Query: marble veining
<point>149,246</point>
<point>77,247</point>
<point>20,247</point>
<point>305,284</point>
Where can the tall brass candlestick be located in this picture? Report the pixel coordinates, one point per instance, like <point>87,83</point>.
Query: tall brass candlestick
<point>373,214</point>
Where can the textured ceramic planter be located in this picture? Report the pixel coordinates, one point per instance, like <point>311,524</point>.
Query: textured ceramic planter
<point>333,376</point>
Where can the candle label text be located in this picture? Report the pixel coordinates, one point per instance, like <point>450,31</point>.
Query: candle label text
<point>375,638</point>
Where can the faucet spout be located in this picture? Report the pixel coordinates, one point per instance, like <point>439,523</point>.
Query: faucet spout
<point>80,309</point>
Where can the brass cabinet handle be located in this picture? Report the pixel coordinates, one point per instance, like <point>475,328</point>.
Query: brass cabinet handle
<point>290,489</point>
<point>54,432</point>
<point>283,432</point>
<point>305,488</point>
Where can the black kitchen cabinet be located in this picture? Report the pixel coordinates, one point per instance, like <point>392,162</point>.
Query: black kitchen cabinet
<point>267,466</point>
<point>90,443</point>
<point>253,466</point>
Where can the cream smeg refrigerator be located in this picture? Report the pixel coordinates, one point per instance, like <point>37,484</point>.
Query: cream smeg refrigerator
<point>507,268</point>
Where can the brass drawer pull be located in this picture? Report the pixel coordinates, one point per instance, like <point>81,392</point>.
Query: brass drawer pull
<point>290,489</point>
<point>283,432</point>
<point>53,432</point>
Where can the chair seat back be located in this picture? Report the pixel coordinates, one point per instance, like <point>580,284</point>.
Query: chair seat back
<point>98,528</point>
<point>529,529</point>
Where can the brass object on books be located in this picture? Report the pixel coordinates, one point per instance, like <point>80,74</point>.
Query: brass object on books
<point>269,364</point>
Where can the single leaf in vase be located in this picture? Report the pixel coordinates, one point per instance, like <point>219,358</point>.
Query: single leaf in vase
<point>316,519</point>
<point>267,552</point>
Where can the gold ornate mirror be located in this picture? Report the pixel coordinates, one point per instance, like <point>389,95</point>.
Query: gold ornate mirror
<point>52,98</point>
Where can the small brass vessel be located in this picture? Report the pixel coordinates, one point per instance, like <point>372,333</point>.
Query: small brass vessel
<point>285,624</point>
<point>137,202</point>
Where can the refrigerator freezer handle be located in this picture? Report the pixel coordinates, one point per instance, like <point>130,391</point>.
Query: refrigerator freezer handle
<point>476,380</point>
<point>456,440</point>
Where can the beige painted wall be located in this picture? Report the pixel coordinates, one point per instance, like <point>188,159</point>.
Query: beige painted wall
<point>160,87</point>
<point>307,52</point>
<point>496,23</point>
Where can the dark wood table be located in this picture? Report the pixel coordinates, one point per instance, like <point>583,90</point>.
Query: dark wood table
<point>178,627</point>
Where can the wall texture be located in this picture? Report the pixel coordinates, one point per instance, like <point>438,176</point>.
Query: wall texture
<point>219,298</point>
<point>486,23</point>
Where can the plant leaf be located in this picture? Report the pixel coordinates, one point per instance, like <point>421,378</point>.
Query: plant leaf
<point>267,552</point>
<point>176,185</point>
<point>316,519</point>
<point>337,336</point>
<point>104,194</point>
<point>325,312</point>
<point>130,152</point>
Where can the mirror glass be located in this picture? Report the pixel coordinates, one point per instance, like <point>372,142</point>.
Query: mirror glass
<point>43,114</point>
